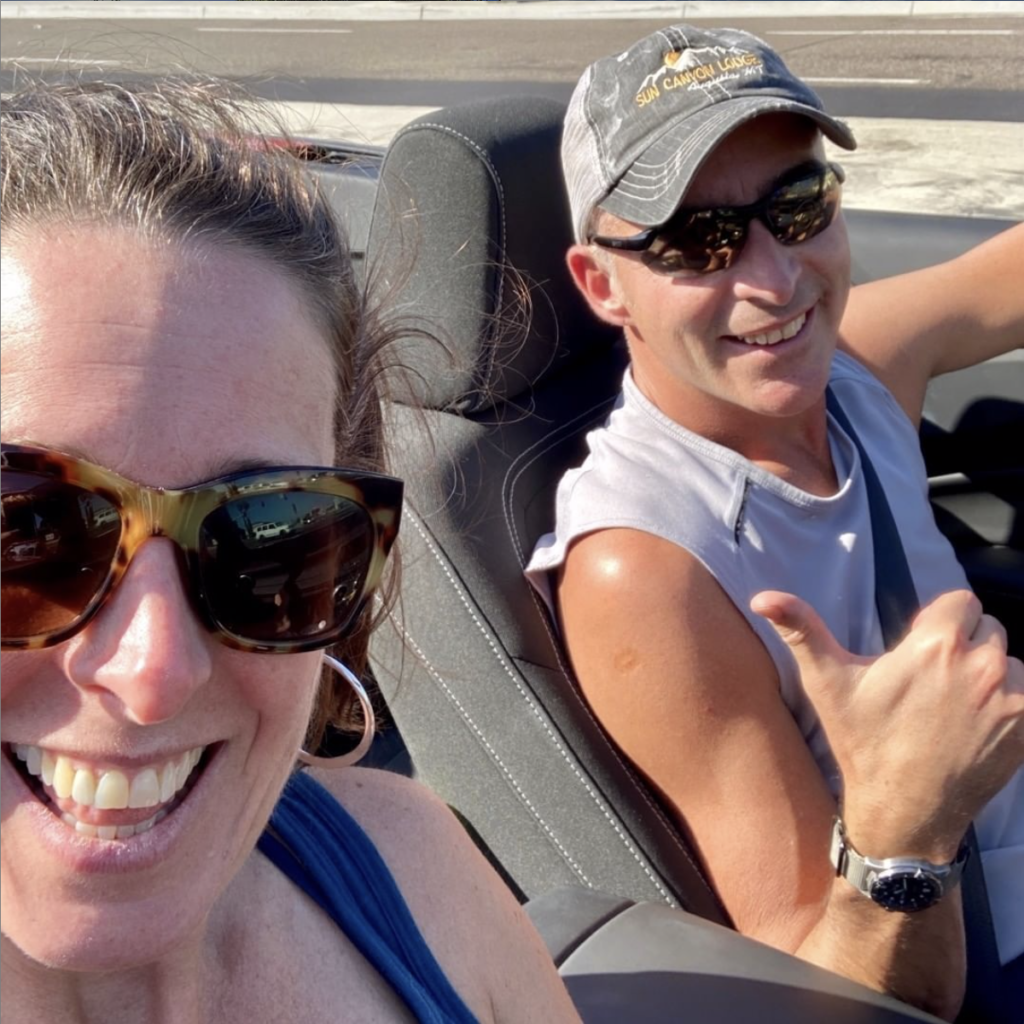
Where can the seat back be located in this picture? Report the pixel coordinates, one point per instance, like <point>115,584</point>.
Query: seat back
<point>468,238</point>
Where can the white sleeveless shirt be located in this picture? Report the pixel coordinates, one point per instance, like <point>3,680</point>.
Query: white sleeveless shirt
<point>753,532</point>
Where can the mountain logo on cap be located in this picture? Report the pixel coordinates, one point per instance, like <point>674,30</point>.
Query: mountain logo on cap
<point>703,67</point>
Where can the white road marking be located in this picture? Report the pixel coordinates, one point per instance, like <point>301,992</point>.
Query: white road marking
<point>276,31</point>
<point>78,61</point>
<point>959,168</point>
<point>432,10</point>
<point>867,81</point>
<point>898,32</point>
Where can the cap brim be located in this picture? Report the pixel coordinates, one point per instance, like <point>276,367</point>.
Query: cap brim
<point>654,186</point>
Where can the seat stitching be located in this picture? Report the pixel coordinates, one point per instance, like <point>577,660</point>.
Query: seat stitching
<point>535,710</point>
<point>549,440</point>
<point>670,829</point>
<point>450,694</point>
<point>543,614</point>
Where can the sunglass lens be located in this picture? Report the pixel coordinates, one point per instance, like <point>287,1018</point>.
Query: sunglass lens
<point>803,209</point>
<point>699,243</point>
<point>285,566</point>
<point>57,549</point>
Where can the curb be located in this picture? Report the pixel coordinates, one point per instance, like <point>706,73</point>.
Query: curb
<point>446,10</point>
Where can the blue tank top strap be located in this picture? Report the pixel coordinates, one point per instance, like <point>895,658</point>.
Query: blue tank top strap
<point>323,850</point>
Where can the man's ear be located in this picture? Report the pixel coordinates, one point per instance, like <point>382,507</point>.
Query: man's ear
<point>596,282</point>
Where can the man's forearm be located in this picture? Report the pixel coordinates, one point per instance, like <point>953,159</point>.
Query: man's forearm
<point>918,958</point>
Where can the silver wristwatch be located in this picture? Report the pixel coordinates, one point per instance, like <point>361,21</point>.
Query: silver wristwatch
<point>902,884</point>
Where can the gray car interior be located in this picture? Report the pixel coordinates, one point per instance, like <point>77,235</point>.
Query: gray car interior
<point>466,240</point>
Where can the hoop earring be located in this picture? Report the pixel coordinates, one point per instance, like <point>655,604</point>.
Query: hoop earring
<point>368,723</point>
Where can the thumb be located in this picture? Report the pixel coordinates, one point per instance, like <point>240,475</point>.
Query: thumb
<point>818,654</point>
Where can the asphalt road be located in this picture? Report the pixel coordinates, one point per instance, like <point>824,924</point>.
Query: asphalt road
<point>937,104</point>
<point>962,68</point>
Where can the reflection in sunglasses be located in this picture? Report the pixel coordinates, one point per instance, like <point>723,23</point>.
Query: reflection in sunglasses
<point>800,206</point>
<point>279,559</point>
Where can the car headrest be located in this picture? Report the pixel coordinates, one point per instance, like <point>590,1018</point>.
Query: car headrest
<point>467,242</point>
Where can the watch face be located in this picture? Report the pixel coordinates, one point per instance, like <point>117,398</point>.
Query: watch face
<point>906,891</point>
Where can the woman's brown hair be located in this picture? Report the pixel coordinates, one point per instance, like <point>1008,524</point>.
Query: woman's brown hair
<point>180,159</point>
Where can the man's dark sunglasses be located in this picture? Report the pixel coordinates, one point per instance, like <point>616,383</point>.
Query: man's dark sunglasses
<point>277,560</point>
<point>800,205</point>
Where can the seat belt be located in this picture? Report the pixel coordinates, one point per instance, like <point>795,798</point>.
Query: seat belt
<point>897,603</point>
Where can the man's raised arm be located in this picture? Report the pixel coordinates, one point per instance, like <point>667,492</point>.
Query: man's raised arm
<point>916,326</point>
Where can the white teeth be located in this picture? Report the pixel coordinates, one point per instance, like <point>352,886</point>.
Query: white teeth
<point>63,778</point>
<point>83,789</point>
<point>112,791</point>
<point>765,339</point>
<point>783,333</point>
<point>112,831</point>
<point>793,327</point>
<point>108,831</point>
<point>46,768</point>
<point>168,781</point>
<point>145,790</point>
<point>187,763</point>
<point>109,790</point>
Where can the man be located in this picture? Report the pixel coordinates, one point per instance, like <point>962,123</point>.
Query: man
<point>708,227</point>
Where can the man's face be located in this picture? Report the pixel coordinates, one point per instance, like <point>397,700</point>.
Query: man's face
<point>692,339</point>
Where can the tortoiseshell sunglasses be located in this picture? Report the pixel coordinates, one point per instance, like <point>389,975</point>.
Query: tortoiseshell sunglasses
<point>275,560</point>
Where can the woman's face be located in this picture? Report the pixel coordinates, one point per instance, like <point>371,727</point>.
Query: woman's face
<point>168,365</point>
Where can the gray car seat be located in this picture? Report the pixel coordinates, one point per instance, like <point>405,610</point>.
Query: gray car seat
<point>468,239</point>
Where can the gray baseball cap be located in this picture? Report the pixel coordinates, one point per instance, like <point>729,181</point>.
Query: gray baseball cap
<point>640,124</point>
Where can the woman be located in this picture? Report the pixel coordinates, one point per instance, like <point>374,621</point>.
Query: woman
<point>179,312</point>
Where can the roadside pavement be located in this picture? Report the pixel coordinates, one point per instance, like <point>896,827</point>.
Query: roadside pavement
<point>441,10</point>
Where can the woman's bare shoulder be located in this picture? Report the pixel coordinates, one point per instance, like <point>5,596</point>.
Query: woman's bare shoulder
<point>469,918</point>
<point>418,835</point>
<point>374,794</point>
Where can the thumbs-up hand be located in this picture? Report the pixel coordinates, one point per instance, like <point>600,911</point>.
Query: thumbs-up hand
<point>924,735</point>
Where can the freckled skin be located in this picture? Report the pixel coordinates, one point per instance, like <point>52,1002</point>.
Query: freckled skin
<point>162,364</point>
<point>166,365</point>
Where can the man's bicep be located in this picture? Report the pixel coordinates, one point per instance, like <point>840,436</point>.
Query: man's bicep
<point>681,682</point>
<point>916,326</point>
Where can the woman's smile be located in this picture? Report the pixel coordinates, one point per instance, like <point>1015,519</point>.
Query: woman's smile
<point>113,819</point>
<point>107,803</point>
